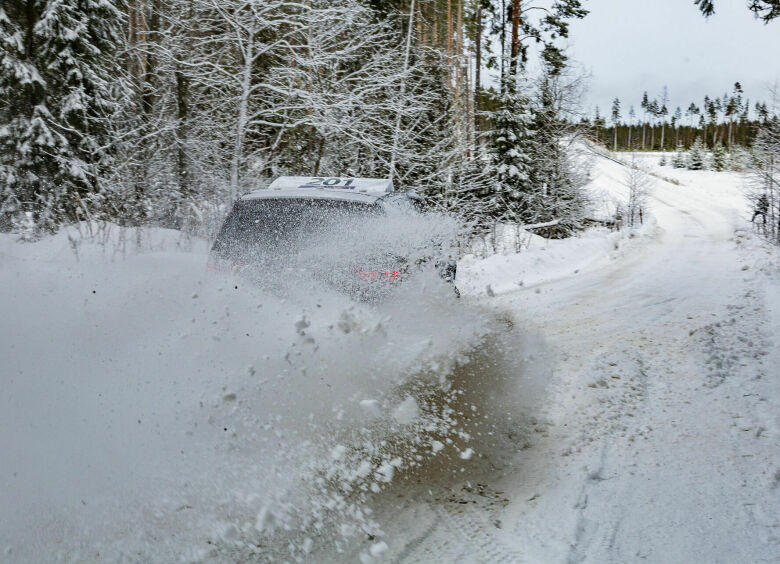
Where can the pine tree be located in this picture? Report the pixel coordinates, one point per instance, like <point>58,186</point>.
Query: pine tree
<point>662,162</point>
<point>56,92</point>
<point>645,105</point>
<point>615,121</point>
<point>767,10</point>
<point>719,157</point>
<point>697,156</point>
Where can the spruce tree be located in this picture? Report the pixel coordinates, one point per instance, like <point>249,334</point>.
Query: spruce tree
<point>697,156</point>
<point>678,160</point>
<point>662,162</point>
<point>719,157</point>
<point>508,143</point>
<point>556,173</point>
<point>55,89</point>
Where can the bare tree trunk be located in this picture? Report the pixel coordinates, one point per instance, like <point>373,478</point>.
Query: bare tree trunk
<point>515,51</point>
<point>182,130</point>
<point>149,76</point>
<point>449,31</point>
<point>397,131</point>
<point>435,25</point>
<point>238,146</point>
<point>459,62</point>
<point>730,138</point>
<point>663,135</point>
<point>478,66</point>
<point>320,152</point>
<point>470,115</point>
<point>503,42</point>
<point>137,71</point>
<point>420,33</point>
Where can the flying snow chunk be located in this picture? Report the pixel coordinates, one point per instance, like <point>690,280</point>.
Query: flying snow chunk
<point>338,452</point>
<point>364,469</point>
<point>467,454</point>
<point>371,407</point>
<point>265,520</point>
<point>385,472</point>
<point>407,411</point>
<point>437,446</point>
<point>228,532</point>
<point>378,549</point>
<point>306,546</point>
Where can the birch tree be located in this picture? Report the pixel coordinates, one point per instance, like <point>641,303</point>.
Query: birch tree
<point>638,181</point>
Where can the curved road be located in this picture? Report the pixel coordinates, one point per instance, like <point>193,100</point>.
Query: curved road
<point>660,436</point>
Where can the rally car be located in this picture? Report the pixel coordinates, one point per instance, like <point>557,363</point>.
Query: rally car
<point>318,229</point>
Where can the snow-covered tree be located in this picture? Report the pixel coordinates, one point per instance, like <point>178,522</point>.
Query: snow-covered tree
<point>638,182</point>
<point>509,143</point>
<point>697,156</point>
<point>719,157</point>
<point>678,160</point>
<point>557,172</point>
<point>765,174</point>
<point>57,91</point>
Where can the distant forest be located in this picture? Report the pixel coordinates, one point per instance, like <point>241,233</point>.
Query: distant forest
<point>728,120</point>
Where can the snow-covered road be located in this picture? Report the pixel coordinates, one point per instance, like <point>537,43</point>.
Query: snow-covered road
<point>659,440</point>
<point>664,434</point>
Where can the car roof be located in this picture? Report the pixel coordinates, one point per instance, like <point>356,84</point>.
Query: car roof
<point>308,194</point>
<point>348,189</point>
<point>325,187</point>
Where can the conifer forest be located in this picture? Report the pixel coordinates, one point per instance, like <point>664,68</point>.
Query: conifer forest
<point>160,112</point>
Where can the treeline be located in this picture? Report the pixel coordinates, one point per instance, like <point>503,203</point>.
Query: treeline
<point>164,112</point>
<point>728,120</point>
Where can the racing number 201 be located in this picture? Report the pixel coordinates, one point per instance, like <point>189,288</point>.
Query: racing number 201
<point>331,181</point>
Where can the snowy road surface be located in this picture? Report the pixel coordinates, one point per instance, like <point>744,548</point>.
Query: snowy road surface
<point>617,400</point>
<point>659,440</point>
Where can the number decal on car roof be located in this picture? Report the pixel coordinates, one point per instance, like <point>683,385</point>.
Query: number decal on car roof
<point>374,186</point>
<point>338,183</point>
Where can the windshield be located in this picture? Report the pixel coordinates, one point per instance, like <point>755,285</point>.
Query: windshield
<point>283,226</point>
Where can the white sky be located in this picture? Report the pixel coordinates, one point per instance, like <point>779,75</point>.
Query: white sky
<point>631,46</point>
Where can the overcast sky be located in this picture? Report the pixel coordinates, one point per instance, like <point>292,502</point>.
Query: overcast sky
<point>631,46</point>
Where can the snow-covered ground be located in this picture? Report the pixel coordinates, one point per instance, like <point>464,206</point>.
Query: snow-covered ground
<point>611,397</point>
<point>658,440</point>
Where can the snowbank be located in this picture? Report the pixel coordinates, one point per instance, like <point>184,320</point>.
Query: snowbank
<point>546,260</point>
